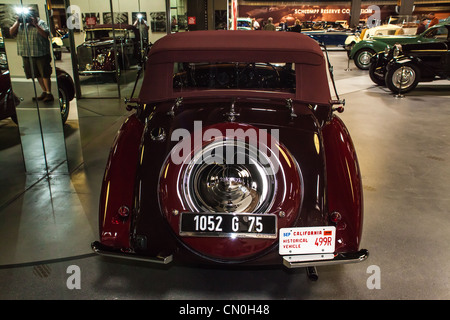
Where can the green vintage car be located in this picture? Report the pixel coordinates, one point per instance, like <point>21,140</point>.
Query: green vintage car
<point>364,50</point>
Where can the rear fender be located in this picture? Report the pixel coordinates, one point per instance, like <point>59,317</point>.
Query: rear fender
<point>344,185</point>
<point>400,60</point>
<point>65,81</point>
<point>116,198</point>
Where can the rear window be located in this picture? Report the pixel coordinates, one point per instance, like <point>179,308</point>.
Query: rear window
<point>278,77</point>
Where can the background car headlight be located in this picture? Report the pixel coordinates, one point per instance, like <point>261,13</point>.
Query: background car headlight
<point>386,50</point>
<point>101,58</point>
<point>223,187</point>
<point>3,59</point>
<point>397,50</point>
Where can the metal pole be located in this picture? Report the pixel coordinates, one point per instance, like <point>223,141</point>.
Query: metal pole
<point>348,65</point>
<point>355,12</point>
<point>115,48</point>
<point>228,14</point>
<point>73,55</point>
<point>168,18</point>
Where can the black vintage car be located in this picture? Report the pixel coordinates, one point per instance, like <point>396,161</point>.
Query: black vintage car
<point>402,67</point>
<point>98,54</point>
<point>9,101</point>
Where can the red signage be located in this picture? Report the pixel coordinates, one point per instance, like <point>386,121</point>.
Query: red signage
<point>192,20</point>
<point>91,21</point>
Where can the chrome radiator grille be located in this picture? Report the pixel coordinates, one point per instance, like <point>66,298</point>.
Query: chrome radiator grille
<point>85,56</point>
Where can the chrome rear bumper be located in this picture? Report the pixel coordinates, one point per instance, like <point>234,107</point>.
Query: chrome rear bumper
<point>288,261</point>
<point>340,258</point>
<point>103,250</point>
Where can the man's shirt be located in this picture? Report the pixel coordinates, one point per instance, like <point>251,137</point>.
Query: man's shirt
<point>38,45</point>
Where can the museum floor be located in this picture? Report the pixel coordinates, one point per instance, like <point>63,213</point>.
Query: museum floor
<point>404,152</point>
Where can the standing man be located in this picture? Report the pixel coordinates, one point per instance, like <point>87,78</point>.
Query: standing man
<point>433,19</point>
<point>269,26</point>
<point>297,27</point>
<point>283,25</point>
<point>422,26</point>
<point>143,27</point>
<point>255,24</point>
<point>36,53</point>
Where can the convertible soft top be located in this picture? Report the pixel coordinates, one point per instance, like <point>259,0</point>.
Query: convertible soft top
<point>240,45</point>
<point>236,46</point>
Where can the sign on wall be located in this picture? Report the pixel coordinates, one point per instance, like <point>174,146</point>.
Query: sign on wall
<point>309,12</point>
<point>192,21</point>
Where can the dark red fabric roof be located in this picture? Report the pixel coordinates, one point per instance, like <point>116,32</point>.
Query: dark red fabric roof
<point>236,46</point>
<point>248,46</point>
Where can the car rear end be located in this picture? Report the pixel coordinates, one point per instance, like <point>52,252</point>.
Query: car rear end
<point>229,175</point>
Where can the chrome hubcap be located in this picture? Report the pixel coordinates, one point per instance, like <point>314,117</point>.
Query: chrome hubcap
<point>62,101</point>
<point>403,77</point>
<point>364,58</point>
<point>245,186</point>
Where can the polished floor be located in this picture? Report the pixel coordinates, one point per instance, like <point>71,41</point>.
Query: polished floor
<point>403,144</point>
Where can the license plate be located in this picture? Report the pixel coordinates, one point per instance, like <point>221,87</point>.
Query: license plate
<point>307,240</point>
<point>228,225</point>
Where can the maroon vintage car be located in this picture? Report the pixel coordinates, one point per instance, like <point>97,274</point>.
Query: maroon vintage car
<point>107,44</point>
<point>234,156</point>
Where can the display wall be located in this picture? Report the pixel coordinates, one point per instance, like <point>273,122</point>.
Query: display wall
<point>60,146</point>
<point>308,12</point>
<point>40,144</point>
<point>328,10</point>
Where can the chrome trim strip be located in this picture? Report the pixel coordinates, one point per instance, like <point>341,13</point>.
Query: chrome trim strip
<point>106,251</point>
<point>430,50</point>
<point>95,72</point>
<point>340,258</point>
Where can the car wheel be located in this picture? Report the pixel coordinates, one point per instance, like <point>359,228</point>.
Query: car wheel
<point>57,55</point>
<point>362,58</point>
<point>14,118</point>
<point>376,78</point>
<point>64,103</point>
<point>117,74</point>
<point>402,78</point>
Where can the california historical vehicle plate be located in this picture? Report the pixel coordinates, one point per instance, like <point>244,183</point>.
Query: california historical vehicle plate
<point>307,240</point>
<point>228,225</point>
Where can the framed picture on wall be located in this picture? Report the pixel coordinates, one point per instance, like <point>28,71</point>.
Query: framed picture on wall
<point>220,19</point>
<point>158,21</point>
<point>182,22</point>
<point>90,19</point>
<point>119,17</point>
